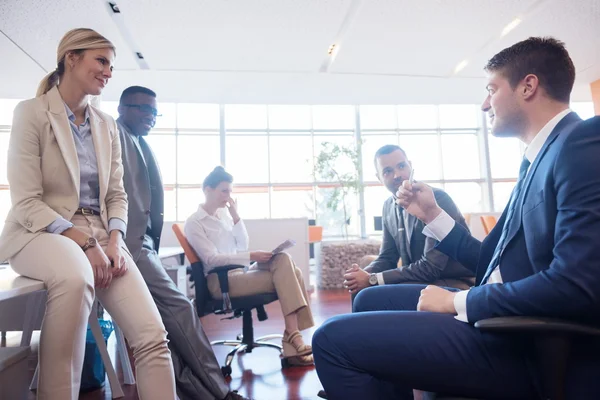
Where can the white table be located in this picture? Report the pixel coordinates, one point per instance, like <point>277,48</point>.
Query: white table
<point>13,285</point>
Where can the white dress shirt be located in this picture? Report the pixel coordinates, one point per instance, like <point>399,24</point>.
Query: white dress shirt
<point>441,226</point>
<point>216,240</point>
<point>379,275</point>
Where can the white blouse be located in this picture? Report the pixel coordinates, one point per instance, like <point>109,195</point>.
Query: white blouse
<point>216,240</point>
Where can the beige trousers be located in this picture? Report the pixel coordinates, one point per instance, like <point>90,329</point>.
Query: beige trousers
<point>67,273</point>
<point>279,275</point>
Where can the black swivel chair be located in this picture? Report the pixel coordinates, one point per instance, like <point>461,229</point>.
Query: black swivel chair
<point>238,306</point>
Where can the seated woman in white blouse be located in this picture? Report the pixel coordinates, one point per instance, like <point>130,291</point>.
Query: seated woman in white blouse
<point>220,238</point>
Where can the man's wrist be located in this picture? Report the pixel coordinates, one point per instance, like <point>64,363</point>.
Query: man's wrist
<point>451,308</point>
<point>432,215</point>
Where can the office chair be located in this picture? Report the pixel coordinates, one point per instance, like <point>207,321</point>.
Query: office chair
<point>488,222</point>
<point>551,340</point>
<point>238,306</point>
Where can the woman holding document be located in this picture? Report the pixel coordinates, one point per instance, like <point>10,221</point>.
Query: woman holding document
<point>219,237</point>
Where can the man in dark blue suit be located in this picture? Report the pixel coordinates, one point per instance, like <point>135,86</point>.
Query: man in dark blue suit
<point>542,259</point>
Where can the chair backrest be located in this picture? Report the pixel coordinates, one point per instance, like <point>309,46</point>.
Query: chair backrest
<point>488,222</point>
<point>187,248</point>
<point>203,298</point>
<point>467,217</point>
<point>315,234</point>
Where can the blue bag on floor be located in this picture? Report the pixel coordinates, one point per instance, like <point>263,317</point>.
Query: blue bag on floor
<point>93,372</point>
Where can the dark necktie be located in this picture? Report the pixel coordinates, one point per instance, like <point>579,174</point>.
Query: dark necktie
<point>514,198</point>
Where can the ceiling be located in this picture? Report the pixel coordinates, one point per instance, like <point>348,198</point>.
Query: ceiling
<point>274,51</point>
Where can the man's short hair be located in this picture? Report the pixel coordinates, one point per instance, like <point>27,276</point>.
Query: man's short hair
<point>545,57</point>
<point>131,90</point>
<point>387,149</point>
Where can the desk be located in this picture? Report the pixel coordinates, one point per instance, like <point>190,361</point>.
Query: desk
<point>13,285</point>
<point>168,252</point>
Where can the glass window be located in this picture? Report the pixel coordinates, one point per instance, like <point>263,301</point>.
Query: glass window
<point>163,147</point>
<point>171,206</point>
<point>332,219</point>
<point>375,196</point>
<point>289,117</point>
<point>7,108</point>
<point>247,158</point>
<point>111,108</point>
<point>423,151</point>
<point>198,116</point>
<point>506,155</point>
<point>291,166</point>
<point>585,110</point>
<point>502,191</point>
<point>372,143</point>
<point>417,117</point>
<point>378,117</point>
<point>467,196</point>
<point>245,116</point>
<point>343,164</point>
<point>333,117</point>
<point>456,116</point>
<point>252,205</point>
<point>292,203</point>
<point>188,200</point>
<point>196,157</point>
<point>4,139</point>
<point>460,156</point>
<point>168,118</point>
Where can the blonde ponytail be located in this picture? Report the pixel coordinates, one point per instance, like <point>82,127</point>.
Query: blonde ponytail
<point>47,83</point>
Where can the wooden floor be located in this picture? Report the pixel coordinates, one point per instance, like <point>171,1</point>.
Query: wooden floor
<point>258,375</point>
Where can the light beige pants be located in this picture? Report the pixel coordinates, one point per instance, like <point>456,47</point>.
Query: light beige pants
<point>67,273</point>
<point>279,275</point>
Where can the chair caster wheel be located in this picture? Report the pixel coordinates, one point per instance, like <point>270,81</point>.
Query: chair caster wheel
<point>226,371</point>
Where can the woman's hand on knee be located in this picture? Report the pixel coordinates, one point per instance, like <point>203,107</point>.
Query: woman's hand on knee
<point>100,266</point>
<point>115,254</point>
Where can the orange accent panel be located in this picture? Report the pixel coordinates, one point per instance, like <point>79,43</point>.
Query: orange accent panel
<point>596,96</point>
<point>187,248</point>
<point>315,234</point>
<point>488,222</point>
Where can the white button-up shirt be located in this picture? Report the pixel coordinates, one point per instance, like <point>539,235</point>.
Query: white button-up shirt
<point>216,239</point>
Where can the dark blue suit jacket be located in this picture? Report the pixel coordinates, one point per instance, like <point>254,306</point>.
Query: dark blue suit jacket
<point>551,266</point>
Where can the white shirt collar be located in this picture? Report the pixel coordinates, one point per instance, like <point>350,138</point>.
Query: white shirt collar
<point>538,141</point>
<point>203,214</point>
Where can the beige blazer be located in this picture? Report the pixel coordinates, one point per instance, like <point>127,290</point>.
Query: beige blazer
<point>43,170</point>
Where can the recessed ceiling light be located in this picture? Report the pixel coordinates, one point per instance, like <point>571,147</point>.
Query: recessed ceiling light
<point>510,26</point>
<point>461,65</point>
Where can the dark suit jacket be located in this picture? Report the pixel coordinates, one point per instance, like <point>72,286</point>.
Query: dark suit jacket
<point>551,265</point>
<point>143,184</point>
<point>421,262</point>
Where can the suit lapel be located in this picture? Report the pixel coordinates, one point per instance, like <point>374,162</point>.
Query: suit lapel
<point>103,149</point>
<point>57,115</point>
<point>517,220</point>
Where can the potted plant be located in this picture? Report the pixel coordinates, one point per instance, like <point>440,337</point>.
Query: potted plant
<point>329,167</point>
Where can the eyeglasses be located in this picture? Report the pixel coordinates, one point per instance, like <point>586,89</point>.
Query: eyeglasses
<point>145,108</point>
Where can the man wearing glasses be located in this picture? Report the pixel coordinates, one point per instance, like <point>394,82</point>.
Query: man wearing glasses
<point>197,371</point>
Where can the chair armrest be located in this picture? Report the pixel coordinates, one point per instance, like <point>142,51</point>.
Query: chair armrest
<point>222,273</point>
<point>537,325</point>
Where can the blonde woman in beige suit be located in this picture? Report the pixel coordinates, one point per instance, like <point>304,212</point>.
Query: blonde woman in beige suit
<point>67,220</point>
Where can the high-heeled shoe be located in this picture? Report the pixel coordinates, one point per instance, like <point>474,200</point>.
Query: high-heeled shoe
<point>290,349</point>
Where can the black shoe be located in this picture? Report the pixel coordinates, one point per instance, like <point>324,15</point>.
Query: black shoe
<point>322,394</point>
<point>235,396</point>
